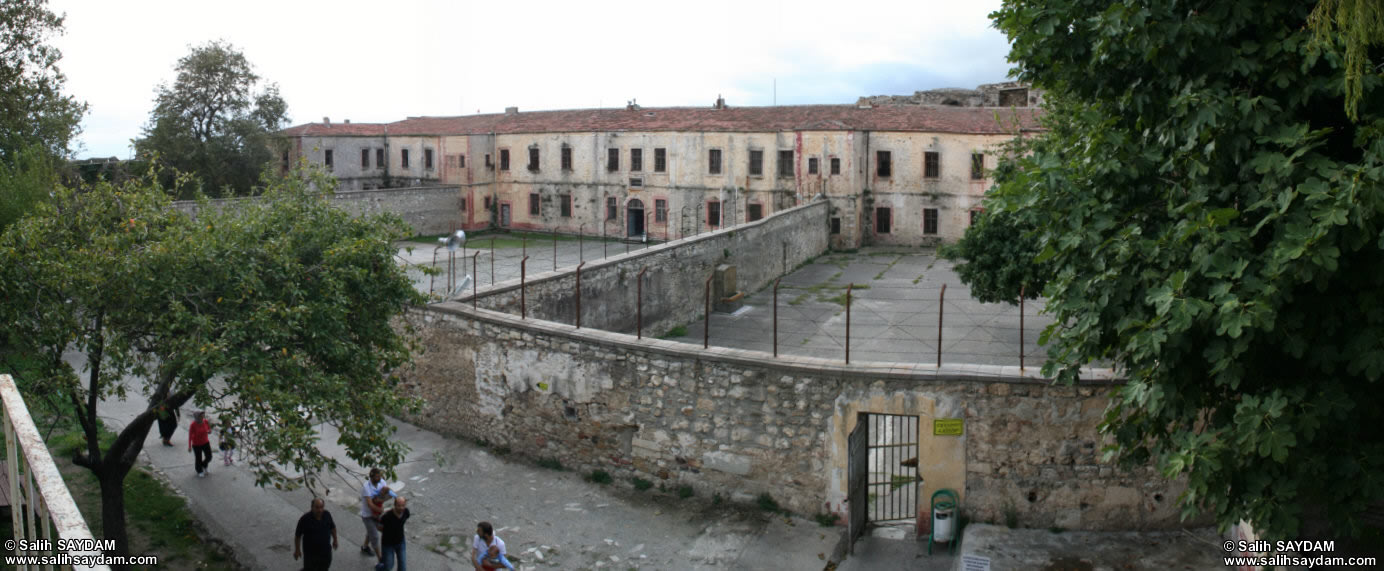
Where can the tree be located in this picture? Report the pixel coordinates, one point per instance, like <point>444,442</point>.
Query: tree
<point>278,314</point>
<point>1209,218</point>
<point>213,124</point>
<point>37,121</point>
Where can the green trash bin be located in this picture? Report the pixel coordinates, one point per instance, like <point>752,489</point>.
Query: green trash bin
<point>943,521</point>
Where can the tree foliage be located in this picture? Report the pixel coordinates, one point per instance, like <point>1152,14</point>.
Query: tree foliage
<point>34,112</point>
<point>211,122</point>
<point>275,315</point>
<point>1210,219</point>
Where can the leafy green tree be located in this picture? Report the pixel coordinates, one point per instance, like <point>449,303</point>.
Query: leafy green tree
<point>1210,219</point>
<point>212,123</point>
<point>277,314</point>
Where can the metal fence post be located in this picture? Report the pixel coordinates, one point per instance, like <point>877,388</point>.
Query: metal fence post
<point>1021,329</point>
<point>706,328</point>
<point>941,301</point>
<point>579,294</point>
<point>492,260</point>
<point>555,250</point>
<point>776,284</point>
<point>581,254</point>
<point>605,246</point>
<point>848,322</point>
<point>475,277</point>
<point>639,306</point>
<point>433,278</point>
<point>523,280</point>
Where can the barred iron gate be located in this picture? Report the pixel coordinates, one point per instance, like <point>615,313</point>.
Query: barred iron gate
<point>894,480</point>
<point>858,478</point>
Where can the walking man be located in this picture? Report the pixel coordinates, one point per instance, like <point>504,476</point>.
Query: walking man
<point>199,442</point>
<point>168,424</point>
<point>392,536</point>
<point>315,526</point>
<point>372,488</point>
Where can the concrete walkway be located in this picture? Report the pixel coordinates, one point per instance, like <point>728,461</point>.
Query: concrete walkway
<point>549,519</point>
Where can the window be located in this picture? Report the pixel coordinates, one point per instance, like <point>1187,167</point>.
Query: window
<point>566,158</point>
<point>835,165</point>
<point>427,159</point>
<point>488,163</point>
<point>714,161</point>
<point>636,183</point>
<point>565,203</point>
<point>756,163</point>
<point>403,157</point>
<point>487,203</point>
<point>785,163</point>
<point>462,204</point>
<point>883,164</point>
<point>461,161</point>
<point>533,159</point>
<point>327,159</point>
<point>835,225</point>
<point>636,160</point>
<point>977,166</point>
<point>929,220</point>
<point>931,165</point>
<point>535,207</point>
<point>379,158</point>
<point>660,160</point>
<point>973,217</point>
<point>660,209</point>
<point>753,212</point>
<point>365,158</point>
<point>504,159</point>
<point>883,216</point>
<point>284,160</point>
<point>812,165</point>
<point>612,160</point>
<point>612,209</point>
<point>713,213</point>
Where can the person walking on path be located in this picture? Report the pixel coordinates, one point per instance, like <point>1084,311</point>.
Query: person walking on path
<point>199,442</point>
<point>372,488</point>
<point>168,424</point>
<point>314,529</point>
<point>392,536</point>
<point>488,550</point>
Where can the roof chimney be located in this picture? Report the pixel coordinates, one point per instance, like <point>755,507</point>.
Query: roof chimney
<point>633,105</point>
<point>511,111</point>
<point>348,121</point>
<point>327,120</point>
<point>720,102</point>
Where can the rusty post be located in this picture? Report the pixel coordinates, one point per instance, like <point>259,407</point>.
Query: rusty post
<point>581,255</point>
<point>492,260</point>
<point>555,249</point>
<point>475,277</point>
<point>523,279</point>
<point>639,305</point>
<point>578,296</point>
<point>1021,329</point>
<point>627,244</point>
<point>776,283</point>
<point>941,300</point>
<point>604,244</point>
<point>706,327</point>
<point>848,322</point>
<point>524,243</point>
<point>433,278</point>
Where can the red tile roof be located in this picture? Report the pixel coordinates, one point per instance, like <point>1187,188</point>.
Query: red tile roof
<point>969,120</point>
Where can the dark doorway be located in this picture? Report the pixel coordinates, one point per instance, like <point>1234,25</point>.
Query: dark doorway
<point>504,215</point>
<point>883,216</point>
<point>634,215</point>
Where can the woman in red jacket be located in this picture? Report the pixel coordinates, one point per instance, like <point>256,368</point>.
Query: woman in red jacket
<point>199,441</point>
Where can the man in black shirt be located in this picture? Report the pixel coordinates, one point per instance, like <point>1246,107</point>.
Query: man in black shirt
<point>316,526</point>
<point>392,536</point>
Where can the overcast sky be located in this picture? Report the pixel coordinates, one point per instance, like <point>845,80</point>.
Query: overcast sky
<point>387,60</point>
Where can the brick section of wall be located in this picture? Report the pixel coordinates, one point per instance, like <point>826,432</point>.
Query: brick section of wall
<point>740,423</point>
<point>675,284</point>
<point>428,209</point>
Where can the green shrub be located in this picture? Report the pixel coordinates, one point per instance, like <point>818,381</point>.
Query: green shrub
<point>551,463</point>
<point>641,484</point>
<point>767,503</point>
<point>825,519</point>
<point>686,492</point>
<point>600,477</point>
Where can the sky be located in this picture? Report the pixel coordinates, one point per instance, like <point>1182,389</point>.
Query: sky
<point>385,61</point>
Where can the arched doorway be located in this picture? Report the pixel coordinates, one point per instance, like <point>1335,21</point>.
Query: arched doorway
<point>634,217</point>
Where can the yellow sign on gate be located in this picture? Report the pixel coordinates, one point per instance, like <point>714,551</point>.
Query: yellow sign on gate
<point>947,427</point>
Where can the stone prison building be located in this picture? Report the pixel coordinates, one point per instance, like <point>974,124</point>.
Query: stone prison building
<point>763,189</point>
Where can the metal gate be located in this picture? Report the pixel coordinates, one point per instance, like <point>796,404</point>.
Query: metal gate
<point>858,478</point>
<point>894,480</point>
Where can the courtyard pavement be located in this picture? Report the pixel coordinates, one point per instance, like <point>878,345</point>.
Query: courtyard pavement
<point>502,262</point>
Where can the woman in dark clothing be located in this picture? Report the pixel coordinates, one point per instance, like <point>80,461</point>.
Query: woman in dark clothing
<point>168,423</point>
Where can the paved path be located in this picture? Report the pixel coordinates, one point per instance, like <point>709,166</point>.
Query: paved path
<point>549,519</point>
<point>503,263</point>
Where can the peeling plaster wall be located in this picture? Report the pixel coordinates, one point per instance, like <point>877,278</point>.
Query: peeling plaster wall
<point>740,423</point>
<point>429,209</point>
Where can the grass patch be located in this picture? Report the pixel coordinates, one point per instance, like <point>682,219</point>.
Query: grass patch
<point>899,480</point>
<point>600,477</point>
<point>679,331</point>
<point>799,299</point>
<point>825,519</point>
<point>551,464</point>
<point>766,502</point>
<point>641,484</point>
<point>685,492</point>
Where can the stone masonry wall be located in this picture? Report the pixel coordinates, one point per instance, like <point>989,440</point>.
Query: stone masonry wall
<point>675,284</point>
<point>741,423</point>
<point>428,209</point>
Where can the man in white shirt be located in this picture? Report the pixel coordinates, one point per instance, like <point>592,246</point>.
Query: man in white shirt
<point>372,488</point>
<point>487,550</point>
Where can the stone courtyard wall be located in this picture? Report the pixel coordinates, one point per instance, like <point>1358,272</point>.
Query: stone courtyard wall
<point>675,283</point>
<point>428,209</point>
<point>742,423</point>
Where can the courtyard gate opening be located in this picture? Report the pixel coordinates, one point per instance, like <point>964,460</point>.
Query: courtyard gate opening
<point>882,471</point>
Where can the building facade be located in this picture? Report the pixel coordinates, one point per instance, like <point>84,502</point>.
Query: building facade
<point>906,174</point>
